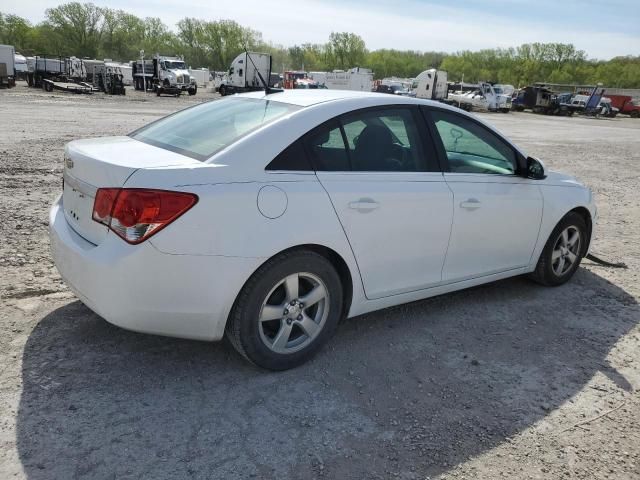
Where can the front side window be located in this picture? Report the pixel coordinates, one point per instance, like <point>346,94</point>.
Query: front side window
<point>201,131</point>
<point>471,148</point>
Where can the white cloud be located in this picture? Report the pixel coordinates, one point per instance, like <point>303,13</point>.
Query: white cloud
<point>400,25</point>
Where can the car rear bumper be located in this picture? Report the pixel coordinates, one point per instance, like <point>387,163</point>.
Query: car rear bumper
<point>139,288</point>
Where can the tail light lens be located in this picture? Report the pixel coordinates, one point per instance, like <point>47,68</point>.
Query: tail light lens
<point>135,214</point>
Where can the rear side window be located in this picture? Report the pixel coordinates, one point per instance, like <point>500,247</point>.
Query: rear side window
<point>293,157</point>
<point>326,145</point>
<point>385,140</point>
<point>201,131</point>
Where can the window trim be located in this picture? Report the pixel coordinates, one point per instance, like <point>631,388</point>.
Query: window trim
<point>442,154</point>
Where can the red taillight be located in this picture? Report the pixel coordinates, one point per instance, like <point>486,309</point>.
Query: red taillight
<point>135,214</point>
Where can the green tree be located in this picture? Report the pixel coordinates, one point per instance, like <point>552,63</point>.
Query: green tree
<point>346,50</point>
<point>77,28</point>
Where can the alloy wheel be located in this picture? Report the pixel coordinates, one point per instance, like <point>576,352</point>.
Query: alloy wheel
<point>294,313</point>
<point>566,250</point>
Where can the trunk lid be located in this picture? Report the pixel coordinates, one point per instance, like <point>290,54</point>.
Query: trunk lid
<point>105,162</point>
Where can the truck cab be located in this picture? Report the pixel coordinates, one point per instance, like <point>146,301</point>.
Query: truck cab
<point>430,84</point>
<point>245,72</point>
<point>173,76</point>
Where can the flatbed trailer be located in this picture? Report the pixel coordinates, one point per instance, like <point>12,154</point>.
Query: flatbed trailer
<point>72,87</point>
<point>67,74</point>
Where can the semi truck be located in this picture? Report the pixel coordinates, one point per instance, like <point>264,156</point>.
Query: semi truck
<point>163,75</point>
<point>249,72</point>
<point>355,79</point>
<point>487,97</point>
<point>431,85</point>
<point>7,66</point>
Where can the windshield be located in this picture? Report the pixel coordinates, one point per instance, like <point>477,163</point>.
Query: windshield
<point>171,65</point>
<point>498,90</point>
<point>201,131</point>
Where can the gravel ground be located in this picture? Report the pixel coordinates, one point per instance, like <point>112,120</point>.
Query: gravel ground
<point>508,380</point>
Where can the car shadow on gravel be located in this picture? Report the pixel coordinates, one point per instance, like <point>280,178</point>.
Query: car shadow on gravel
<point>412,390</point>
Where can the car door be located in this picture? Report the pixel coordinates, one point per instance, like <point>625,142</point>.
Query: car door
<point>497,212</point>
<point>390,196</point>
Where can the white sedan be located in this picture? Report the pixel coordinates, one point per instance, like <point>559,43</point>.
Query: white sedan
<point>272,216</point>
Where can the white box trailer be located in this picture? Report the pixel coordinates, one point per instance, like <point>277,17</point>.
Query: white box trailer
<point>125,69</point>
<point>7,66</point>
<point>201,76</point>
<point>355,79</point>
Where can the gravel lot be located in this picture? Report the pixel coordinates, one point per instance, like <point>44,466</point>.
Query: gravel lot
<point>509,380</point>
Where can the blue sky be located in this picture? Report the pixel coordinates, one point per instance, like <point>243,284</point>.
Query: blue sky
<point>603,29</point>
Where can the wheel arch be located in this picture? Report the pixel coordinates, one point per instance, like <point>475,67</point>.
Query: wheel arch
<point>586,215</point>
<point>330,254</point>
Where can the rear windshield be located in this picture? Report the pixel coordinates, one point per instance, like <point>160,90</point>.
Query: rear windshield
<point>201,131</point>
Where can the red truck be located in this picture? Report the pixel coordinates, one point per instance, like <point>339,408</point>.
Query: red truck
<point>625,104</point>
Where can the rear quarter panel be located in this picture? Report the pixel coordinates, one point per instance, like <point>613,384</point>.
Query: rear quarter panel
<point>226,221</point>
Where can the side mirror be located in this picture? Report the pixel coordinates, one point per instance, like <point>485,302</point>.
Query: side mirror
<point>535,169</point>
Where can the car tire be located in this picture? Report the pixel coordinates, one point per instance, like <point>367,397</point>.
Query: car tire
<point>563,252</point>
<point>222,90</point>
<point>269,323</point>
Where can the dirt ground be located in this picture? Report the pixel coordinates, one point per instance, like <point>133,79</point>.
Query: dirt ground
<point>508,380</point>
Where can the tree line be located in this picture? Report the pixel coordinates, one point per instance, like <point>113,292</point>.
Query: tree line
<point>87,30</point>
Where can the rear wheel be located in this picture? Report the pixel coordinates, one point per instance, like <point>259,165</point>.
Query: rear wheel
<point>287,310</point>
<point>634,114</point>
<point>222,90</point>
<point>563,251</point>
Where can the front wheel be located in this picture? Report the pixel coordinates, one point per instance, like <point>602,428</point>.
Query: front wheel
<point>286,311</point>
<point>563,252</point>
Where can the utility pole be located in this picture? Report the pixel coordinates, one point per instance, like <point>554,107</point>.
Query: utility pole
<point>144,78</point>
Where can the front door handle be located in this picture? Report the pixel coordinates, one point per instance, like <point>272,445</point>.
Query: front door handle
<point>470,204</point>
<point>364,205</point>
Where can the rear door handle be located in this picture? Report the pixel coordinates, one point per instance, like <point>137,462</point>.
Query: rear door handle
<point>470,204</point>
<point>364,205</point>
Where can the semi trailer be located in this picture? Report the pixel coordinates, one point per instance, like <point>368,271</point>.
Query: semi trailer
<point>7,66</point>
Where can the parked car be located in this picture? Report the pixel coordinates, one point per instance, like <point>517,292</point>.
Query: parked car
<point>271,217</point>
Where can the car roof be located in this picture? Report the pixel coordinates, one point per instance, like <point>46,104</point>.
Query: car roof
<point>308,97</point>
